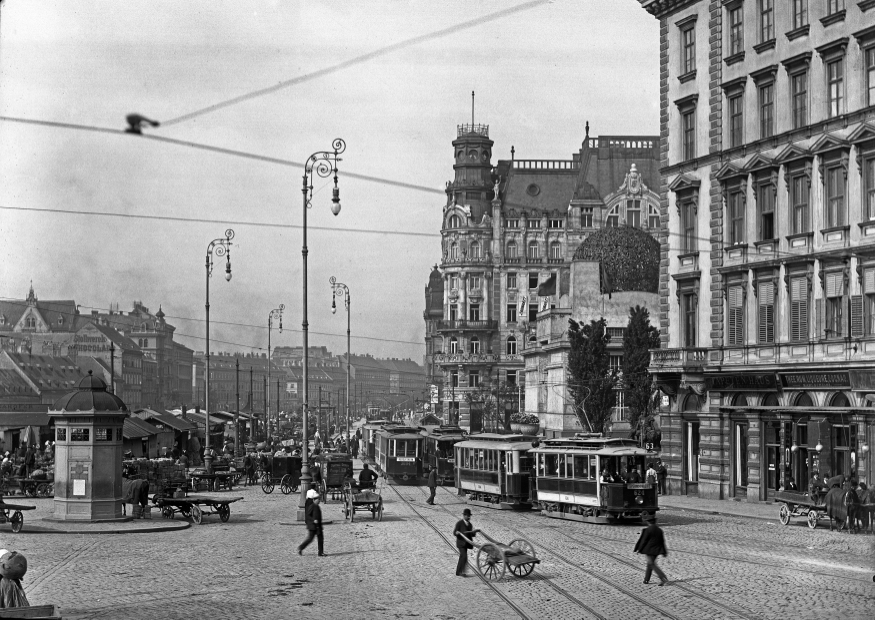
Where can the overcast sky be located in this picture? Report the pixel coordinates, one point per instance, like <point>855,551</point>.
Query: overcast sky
<point>540,72</point>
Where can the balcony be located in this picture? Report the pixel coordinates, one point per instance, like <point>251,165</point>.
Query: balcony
<point>480,130</point>
<point>838,350</point>
<point>665,359</point>
<point>461,326</point>
<point>468,358</point>
<point>468,261</point>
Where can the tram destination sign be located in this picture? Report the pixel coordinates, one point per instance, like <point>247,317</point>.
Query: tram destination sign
<point>753,383</point>
<point>815,379</point>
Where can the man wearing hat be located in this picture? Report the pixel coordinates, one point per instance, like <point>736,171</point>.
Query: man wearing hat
<point>464,532</point>
<point>313,518</point>
<point>651,543</point>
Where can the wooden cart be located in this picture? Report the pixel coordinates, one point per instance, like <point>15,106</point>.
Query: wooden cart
<point>493,557</point>
<point>799,504</point>
<point>357,499</point>
<point>336,471</point>
<point>16,519</point>
<point>196,507</point>
<point>31,487</point>
<point>285,471</point>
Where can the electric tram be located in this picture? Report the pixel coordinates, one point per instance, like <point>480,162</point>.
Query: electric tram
<point>398,453</point>
<point>593,479</point>
<point>367,449</point>
<point>494,470</point>
<point>438,442</point>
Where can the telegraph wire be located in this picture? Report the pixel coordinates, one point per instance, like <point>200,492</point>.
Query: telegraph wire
<point>356,61</point>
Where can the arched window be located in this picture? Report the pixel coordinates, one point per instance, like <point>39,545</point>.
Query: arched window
<point>475,345</point>
<point>533,249</point>
<point>511,249</point>
<point>454,345</point>
<point>613,220</point>
<point>652,217</point>
<point>771,400</point>
<point>139,342</point>
<point>454,251</point>
<point>803,400</point>
<point>692,403</point>
<point>839,400</point>
<point>145,342</point>
<point>475,250</point>
<point>511,346</point>
<point>739,400</point>
<point>454,222</point>
<point>555,250</point>
<point>144,327</point>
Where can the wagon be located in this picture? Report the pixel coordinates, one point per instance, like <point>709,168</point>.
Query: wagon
<point>285,471</point>
<point>357,499</point>
<point>799,504</point>
<point>336,471</point>
<point>494,558</point>
<point>16,519</point>
<point>32,487</point>
<point>196,507</point>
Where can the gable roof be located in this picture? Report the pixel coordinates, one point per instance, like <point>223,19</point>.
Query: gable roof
<point>114,336</point>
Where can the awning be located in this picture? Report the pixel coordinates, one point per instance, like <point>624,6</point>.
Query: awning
<point>30,436</point>
<point>13,420</point>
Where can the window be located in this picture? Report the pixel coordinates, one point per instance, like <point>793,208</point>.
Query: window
<point>870,76</point>
<point>835,81</point>
<point>799,94</point>
<point>555,250</point>
<point>474,283</point>
<point>735,206</point>
<point>474,378</point>
<point>533,313</point>
<point>736,120</point>
<point>735,316</point>
<point>454,282</point>
<point>835,196</point>
<point>652,217</point>
<point>454,251</point>
<point>557,223</point>
<point>145,342</point>
<point>615,362</point>
<point>512,223</point>
<point>586,217</point>
<point>474,312</point>
<point>454,378</point>
<point>454,222</point>
<point>475,345</point>
<point>767,110</point>
<point>533,223</point>
<point>766,208</point>
<point>688,38</point>
<point>510,349</point>
<point>689,312</point>
<point>688,227</point>
<point>511,249</point>
<point>511,280</point>
<point>533,280</point>
<point>475,250</point>
<point>454,345</point>
<point>800,13</point>
<point>613,220</point>
<point>869,188</point>
<point>834,6</point>
<point>688,123</point>
<point>512,374</point>
<point>692,448</point>
<point>869,300</point>
<point>511,313</point>
<point>633,213</point>
<point>834,293</point>
<point>799,309</point>
<point>767,20</point>
<point>799,188</point>
<point>766,312</point>
<point>736,30</point>
<point>533,249</point>
<point>454,312</point>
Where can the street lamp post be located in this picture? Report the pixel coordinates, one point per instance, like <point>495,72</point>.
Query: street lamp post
<point>323,164</point>
<point>219,247</point>
<point>275,314</point>
<point>237,410</point>
<point>338,289</point>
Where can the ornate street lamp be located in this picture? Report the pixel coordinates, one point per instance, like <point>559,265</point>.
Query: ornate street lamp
<point>323,164</point>
<point>220,247</point>
<point>275,315</point>
<point>338,289</point>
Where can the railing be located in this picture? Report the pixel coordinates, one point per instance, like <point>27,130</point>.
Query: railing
<point>480,130</point>
<point>838,351</point>
<point>616,333</point>
<point>555,261</point>
<point>463,325</point>
<point>474,358</point>
<point>678,357</point>
<point>545,164</point>
<point>468,260</point>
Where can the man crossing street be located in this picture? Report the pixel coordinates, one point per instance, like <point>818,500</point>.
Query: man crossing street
<point>432,485</point>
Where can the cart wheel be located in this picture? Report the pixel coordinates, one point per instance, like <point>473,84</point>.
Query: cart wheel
<point>224,513</point>
<point>197,514</point>
<point>167,512</point>
<point>784,514</point>
<point>286,484</point>
<point>17,521</point>
<point>522,545</point>
<point>490,562</point>
<point>42,490</point>
<point>813,516</point>
<point>378,514</point>
<point>267,484</point>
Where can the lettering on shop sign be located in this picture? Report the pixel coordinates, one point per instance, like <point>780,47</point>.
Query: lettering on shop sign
<point>816,379</point>
<point>724,383</point>
<point>862,379</point>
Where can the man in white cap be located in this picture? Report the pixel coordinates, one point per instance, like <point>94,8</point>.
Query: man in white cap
<point>313,518</point>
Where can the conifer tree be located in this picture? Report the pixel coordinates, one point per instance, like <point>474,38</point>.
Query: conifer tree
<point>640,396</point>
<point>591,378</point>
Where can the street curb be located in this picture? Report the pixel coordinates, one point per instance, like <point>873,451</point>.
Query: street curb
<point>177,527</point>
<point>717,512</point>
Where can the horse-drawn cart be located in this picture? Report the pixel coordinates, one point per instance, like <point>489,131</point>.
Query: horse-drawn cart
<point>336,471</point>
<point>284,471</point>
<point>16,518</point>
<point>799,504</point>
<point>195,507</point>
<point>493,557</point>
<point>358,499</point>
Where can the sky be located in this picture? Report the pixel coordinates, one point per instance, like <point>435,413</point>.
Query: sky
<point>393,78</point>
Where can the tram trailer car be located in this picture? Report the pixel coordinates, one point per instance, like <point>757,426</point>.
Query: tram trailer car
<point>438,450</point>
<point>399,453</point>
<point>367,449</point>
<point>569,485</point>
<point>494,470</point>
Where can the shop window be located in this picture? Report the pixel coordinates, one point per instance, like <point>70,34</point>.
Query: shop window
<point>803,400</point>
<point>741,443</point>
<point>766,312</point>
<point>770,400</point>
<point>692,449</point>
<point>839,400</point>
<point>844,454</point>
<point>739,400</point>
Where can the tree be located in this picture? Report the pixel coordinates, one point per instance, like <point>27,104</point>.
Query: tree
<point>496,400</point>
<point>639,338</point>
<point>591,378</point>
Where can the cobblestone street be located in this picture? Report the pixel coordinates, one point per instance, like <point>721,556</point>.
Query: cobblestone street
<point>403,566</point>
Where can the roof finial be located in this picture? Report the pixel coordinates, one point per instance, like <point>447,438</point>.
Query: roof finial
<point>31,296</point>
<point>587,129</point>
<point>512,151</point>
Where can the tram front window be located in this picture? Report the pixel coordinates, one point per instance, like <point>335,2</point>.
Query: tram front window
<point>552,465</point>
<point>444,449</point>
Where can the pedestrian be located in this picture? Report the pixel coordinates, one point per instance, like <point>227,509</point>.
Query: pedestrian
<point>29,461</point>
<point>651,473</point>
<point>313,519</point>
<point>651,543</point>
<point>432,485</point>
<point>464,532</point>
<point>249,469</point>
<point>661,477</point>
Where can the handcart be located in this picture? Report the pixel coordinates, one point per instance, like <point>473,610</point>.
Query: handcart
<point>493,557</point>
<point>196,507</point>
<point>358,499</point>
<point>31,487</point>
<point>16,519</point>
<point>285,471</point>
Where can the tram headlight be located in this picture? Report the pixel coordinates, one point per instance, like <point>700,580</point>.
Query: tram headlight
<point>639,499</point>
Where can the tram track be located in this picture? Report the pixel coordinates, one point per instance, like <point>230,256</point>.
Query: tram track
<point>708,599</point>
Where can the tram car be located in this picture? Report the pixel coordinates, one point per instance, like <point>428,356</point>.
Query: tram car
<point>494,470</point>
<point>438,450</point>
<point>590,478</point>
<point>367,449</point>
<point>398,453</point>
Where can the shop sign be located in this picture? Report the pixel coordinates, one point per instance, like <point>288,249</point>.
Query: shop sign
<point>862,379</point>
<point>728,383</point>
<point>807,380</point>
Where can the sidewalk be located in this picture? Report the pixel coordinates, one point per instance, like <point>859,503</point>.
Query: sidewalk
<point>750,510</point>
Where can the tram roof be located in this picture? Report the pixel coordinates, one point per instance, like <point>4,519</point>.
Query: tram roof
<point>494,441</point>
<point>614,446</point>
<point>443,432</point>
<point>400,432</point>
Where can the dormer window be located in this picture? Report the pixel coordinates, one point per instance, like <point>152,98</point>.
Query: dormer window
<point>454,222</point>
<point>60,320</point>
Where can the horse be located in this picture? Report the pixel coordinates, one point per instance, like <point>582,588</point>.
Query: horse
<point>842,507</point>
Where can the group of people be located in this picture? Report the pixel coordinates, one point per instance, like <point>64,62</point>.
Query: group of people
<point>28,459</point>
<point>656,474</point>
<point>860,495</point>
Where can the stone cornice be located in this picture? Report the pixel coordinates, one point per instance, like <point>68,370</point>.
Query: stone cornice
<point>664,8</point>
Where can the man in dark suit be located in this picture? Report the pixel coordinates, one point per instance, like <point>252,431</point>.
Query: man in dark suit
<point>313,519</point>
<point>651,543</point>
<point>367,477</point>
<point>432,485</point>
<point>464,532</point>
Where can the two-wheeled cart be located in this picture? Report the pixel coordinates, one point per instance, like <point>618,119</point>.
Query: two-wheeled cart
<point>195,507</point>
<point>16,519</point>
<point>359,499</point>
<point>799,504</point>
<point>494,558</point>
